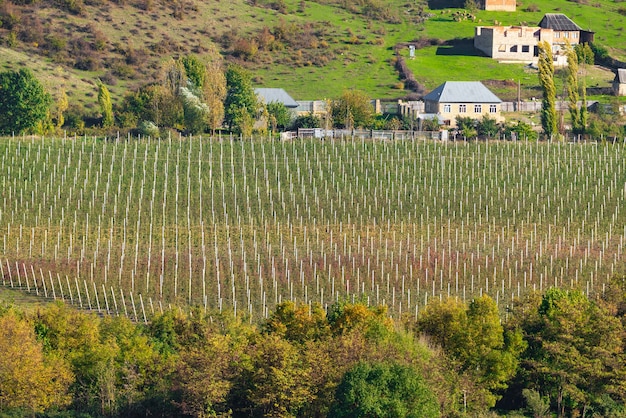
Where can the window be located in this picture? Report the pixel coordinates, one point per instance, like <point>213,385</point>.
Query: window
<point>478,109</point>
<point>502,48</point>
<point>462,108</point>
<point>493,108</point>
<point>566,34</point>
<point>525,48</point>
<point>446,108</point>
<point>513,48</point>
<point>557,34</point>
<point>574,35</point>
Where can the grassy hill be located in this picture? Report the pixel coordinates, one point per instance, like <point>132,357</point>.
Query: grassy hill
<point>313,49</point>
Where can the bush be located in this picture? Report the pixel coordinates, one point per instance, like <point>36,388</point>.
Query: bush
<point>148,128</point>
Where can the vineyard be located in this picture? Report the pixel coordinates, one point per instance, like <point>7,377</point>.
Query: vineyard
<point>132,226</point>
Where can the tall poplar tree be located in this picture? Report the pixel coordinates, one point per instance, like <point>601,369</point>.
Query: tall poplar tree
<point>572,88</point>
<point>546,79</point>
<point>106,107</point>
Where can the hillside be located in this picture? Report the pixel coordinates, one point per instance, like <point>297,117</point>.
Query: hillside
<point>313,49</point>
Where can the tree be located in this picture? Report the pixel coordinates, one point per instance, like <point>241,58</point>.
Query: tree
<point>196,113</point>
<point>106,107</point>
<point>575,352</point>
<point>23,102</point>
<point>546,79</point>
<point>573,87</point>
<point>214,93</point>
<point>307,121</point>
<point>466,126</point>
<point>278,114</point>
<point>29,379</point>
<point>384,390</point>
<point>195,71</point>
<point>241,104</point>
<point>352,110</point>
<point>298,324</point>
<point>62,106</point>
<point>275,382</point>
<point>487,127</point>
<point>474,336</point>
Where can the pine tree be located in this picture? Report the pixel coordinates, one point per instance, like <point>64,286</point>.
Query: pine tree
<point>546,79</point>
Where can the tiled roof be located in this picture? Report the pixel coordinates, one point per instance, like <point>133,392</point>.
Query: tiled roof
<point>269,95</point>
<point>462,92</point>
<point>558,22</point>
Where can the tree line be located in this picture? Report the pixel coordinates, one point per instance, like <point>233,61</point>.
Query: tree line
<point>196,97</point>
<point>556,353</point>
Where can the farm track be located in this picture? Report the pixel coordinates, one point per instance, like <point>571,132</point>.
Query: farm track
<point>143,225</point>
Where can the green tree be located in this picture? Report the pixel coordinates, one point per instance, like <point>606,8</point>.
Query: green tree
<point>352,110</point>
<point>576,115</point>
<point>196,113</point>
<point>241,103</point>
<point>307,121</point>
<point>575,352</point>
<point>466,126</point>
<point>487,127</point>
<point>195,70</point>
<point>106,106</point>
<point>278,115</point>
<point>23,102</point>
<point>546,80</point>
<point>384,390</point>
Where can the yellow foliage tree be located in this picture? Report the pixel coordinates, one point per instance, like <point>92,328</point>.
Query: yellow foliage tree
<point>29,380</point>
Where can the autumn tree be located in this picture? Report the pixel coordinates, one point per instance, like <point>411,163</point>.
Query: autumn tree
<point>275,383</point>
<point>352,110</point>
<point>546,80</point>
<point>214,93</point>
<point>30,380</point>
<point>474,336</point>
<point>23,102</point>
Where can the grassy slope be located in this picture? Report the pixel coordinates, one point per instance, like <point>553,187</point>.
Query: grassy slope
<point>365,66</point>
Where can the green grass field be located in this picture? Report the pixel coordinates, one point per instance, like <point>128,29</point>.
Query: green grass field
<point>245,225</point>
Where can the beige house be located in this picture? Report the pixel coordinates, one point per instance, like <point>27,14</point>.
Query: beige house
<point>461,98</point>
<point>619,83</point>
<point>511,43</point>
<point>519,43</point>
<point>500,5</point>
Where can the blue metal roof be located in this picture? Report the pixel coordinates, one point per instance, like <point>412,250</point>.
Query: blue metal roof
<point>269,95</point>
<point>462,92</point>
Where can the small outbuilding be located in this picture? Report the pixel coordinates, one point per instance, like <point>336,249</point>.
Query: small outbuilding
<point>619,83</point>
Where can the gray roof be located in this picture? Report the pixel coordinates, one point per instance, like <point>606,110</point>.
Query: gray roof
<point>620,77</point>
<point>268,95</point>
<point>462,92</point>
<point>558,21</point>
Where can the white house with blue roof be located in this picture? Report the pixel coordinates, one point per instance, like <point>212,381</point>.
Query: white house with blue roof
<point>461,98</point>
